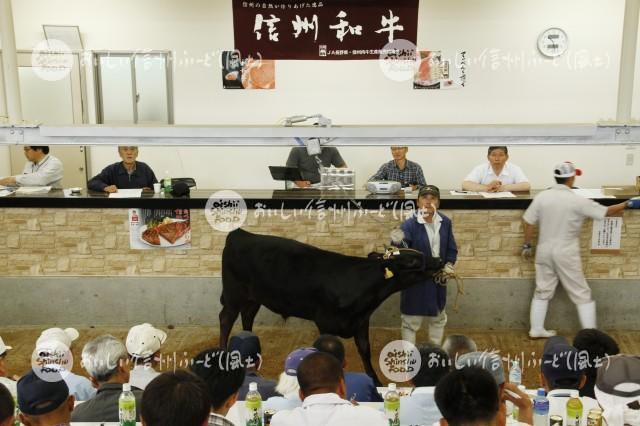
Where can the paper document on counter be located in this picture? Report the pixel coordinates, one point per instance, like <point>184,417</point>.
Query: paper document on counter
<point>126,193</point>
<point>591,193</point>
<point>33,189</point>
<point>5,192</point>
<point>505,194</point>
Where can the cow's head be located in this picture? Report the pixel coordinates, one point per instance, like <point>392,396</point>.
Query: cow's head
<point>407,264</point>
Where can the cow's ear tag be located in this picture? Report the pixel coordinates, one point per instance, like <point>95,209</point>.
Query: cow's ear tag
<point>387,273</point>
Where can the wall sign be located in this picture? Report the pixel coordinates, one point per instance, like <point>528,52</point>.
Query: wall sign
<point>330,29</point>
<point>606,235</point>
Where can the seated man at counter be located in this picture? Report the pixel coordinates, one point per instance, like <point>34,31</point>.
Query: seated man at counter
<point>401,170</point>
<point>496,175</point>
<point>41,169</point>
<point>126,174</point>
<point>309,165</point>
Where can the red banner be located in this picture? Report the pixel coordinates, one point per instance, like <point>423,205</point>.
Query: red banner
<point>330,29</point>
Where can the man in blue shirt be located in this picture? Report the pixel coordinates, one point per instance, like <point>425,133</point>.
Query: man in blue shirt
<point>126,174</point>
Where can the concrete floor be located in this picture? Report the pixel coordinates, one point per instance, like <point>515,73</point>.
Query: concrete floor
<point>185,342</point>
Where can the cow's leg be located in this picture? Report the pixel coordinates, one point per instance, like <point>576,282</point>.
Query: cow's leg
<point>228,316</point>
<point>249,312</point>
<point>364,348</point>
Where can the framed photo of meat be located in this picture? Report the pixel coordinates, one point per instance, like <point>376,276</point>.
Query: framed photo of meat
<point>159,228</point>
<point>247,72</point>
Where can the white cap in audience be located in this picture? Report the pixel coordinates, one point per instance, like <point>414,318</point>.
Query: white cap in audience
<point>3,347</point>
<point>58,335</point>
<point>144,340</point>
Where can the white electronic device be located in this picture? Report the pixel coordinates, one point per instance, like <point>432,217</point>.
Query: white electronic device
<point>384,187</point>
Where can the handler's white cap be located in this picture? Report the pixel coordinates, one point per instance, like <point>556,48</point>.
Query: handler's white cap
<point>566,170</point>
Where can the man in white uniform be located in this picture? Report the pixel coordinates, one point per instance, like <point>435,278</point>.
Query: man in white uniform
<point>496,175</point>
<point>560,213</point>
<point>41,169</point>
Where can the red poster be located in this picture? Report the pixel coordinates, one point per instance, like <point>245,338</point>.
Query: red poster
<point>330,29</point>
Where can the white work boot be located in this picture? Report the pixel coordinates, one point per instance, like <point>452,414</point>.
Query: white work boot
<point>587,314</point>
<point>536,317</point>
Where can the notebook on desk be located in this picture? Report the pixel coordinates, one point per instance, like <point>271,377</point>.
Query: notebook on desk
<point>285,173</point>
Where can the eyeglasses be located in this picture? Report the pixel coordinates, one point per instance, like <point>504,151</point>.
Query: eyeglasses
<point>27,148</point>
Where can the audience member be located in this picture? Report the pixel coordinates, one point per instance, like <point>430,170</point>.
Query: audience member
<point>419,408</point>
<point>470,396</point>
<point>53,339</point>
<point>42,402</point>
<point>408,173</point>
<point>7,407</point>
<point>248,345</point>
<point>561,373</point>
<point>492,363</point>
<point>105,358</point>
<point>223,384</point>
<point>41,169</point>
<point>143,344</point>
<point>176,398</point>
<point>496,175</point>
<point>125,174</point>
<point>4,380</point>
<point>618,390</point>
<point>598,346</point>
<point>288,382</point>
<point>323,393</point>
<point>360,386</point>
<point>456,345</point>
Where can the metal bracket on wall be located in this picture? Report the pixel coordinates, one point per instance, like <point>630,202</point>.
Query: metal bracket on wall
<point>15,136</point>
<point>627,134</point>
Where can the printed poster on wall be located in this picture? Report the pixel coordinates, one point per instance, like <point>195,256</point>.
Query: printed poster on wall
<point>247,73</point>
<point>606,235</point>
<point>330,29</point>
<point>438,70</point>
<point>159,228</point>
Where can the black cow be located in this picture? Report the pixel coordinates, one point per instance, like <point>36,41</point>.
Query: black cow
<point>339,293</point>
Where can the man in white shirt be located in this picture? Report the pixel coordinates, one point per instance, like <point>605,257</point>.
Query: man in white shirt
<point>496,175</point>
<point>618,390</point>
<point>560,212</point>
<point>41,169</point>
<point>323,393</point>
<point>143,344</point>
<point>6,381</point>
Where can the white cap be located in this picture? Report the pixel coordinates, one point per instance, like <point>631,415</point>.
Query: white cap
<point>57,335</point>
<point>3,347</point>
<point>126,387</point>
<point>144,340</point>
<point>253,386</point>
<point>392,387</point>
<point>566,170</point>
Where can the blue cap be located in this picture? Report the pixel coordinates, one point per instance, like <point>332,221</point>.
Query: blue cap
<point>295,358</point>
<point>561,364</point>
<point>37,396</point>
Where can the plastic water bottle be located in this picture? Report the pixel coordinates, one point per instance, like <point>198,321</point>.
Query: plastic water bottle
<point>392,405</point>
<point>515,373</point>
<point>540,409</point>
<point>515,377</point>
<point>167,183</point>
<point>253,405</point>
<point>127,406</point>
<point>574,409</point>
